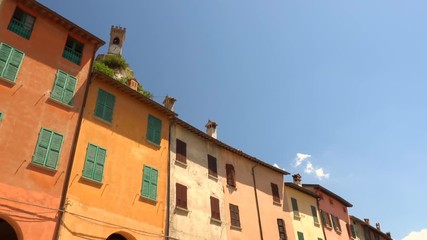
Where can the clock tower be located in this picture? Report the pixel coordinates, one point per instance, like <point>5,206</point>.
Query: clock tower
<point>117,38</point>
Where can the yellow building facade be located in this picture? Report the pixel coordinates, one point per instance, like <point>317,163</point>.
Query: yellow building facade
<point>304,212</point>
<point>118,182</point>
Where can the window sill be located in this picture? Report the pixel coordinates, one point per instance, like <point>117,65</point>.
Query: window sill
<point>153,143</point>
<point>277,203</point>
<point>215,178</point>
<point>238,228</point>
<point>181,209</point>
<point>43,167</point>
<point>149,200</point>
<point>7,81</point>
<point>102,120</point>
<point>69,107</point>
<point>232,187</point>
<point>297,217</point>
<point>216,221</point>
<point>91,181</point>
<point>181,164</point>
<point>317,224</point>
<point>328,227</point>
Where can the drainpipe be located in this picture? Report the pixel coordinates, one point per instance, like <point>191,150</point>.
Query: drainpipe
<point>323,227</point>
<point>73,150</point>
<point>257,204</point>
<point>168,183</point>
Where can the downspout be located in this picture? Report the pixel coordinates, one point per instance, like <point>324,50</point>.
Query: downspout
<point>171,121</point>
<point>73,150</point>
<point>256,201</point>
<point>323,227</point>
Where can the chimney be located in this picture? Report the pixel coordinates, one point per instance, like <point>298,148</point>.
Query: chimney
<point>211,128</point>
<point>366,220</point>
<point>133,84</point>
<point>297,179</point>
<point>169,102</point>
<point>388,234</point>
<point>378,226</point>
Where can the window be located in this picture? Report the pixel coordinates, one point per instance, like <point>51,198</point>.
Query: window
<point>212,166</point>
<point>282,229</point>
<point>231,175</point>
<point>367,233</point>
<point>352,231</point>
<point>300,235</point>
<point>336,223</point>
<point>149,183</point>
<point>64,87</point>
<point>215,209</point>
<point>295,207</point>
<point>48,148</point>
<point>326,221</point>
<point>73,50</point>
<point>105,105</point>
<point>94,162</point>
<point>21,23</point>
<point>181,196</point>
<point>275,192</point>
<point>376,236</point>
<point>10,62</point>
<point>314,214</point>
<point>154,130</point>
<point>1,116</point>
<point>234,215</point>
<point>181,151</point>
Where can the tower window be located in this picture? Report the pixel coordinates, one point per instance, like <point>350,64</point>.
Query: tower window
<point>116,41</point>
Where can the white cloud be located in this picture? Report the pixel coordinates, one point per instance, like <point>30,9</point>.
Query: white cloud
<point>300,158</point>
<point>421,235</point>
<point>309,168</point>
<point>321,174</point>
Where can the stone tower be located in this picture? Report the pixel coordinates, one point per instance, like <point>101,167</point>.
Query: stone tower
<point>117,38</point>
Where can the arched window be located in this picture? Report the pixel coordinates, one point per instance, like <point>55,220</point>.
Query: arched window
<point>116,236</point>
<point>116,41</point>
<point>7,231</point>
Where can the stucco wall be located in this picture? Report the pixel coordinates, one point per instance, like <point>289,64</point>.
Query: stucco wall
<point>196,223</point>
<point>117,201</point>
<point>27,108</point>
<point>305,222</point>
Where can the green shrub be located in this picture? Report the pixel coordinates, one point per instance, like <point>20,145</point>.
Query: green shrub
<point>101,67</point>
<point>114,62</point>
<point>144,92</point>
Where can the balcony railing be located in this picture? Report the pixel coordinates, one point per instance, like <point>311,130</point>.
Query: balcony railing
<point>19,28</point>
<point>72,55</point>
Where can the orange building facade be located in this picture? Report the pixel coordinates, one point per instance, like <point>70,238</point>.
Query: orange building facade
<point>45,62</point>
<point>118,182</point>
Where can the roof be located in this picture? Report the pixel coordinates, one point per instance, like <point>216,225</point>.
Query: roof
<point>135,94</point>
<point>67,24</point>
<point>173,116</point>
<point>371,227</point>
<point>225,146</point>
<point>301,189</point>
<point>330,193</point>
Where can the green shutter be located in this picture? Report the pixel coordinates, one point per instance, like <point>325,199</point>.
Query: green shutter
<point>10,62</point>
<point>99,166</point>
<point>323,217</point>
<point>55,148</point>
<point>294,205</point>
<point>5,51</point>
<point>105,105</point>
<point>42,146</point>
<point>146,182</point>
<point>59,86</point>
<point>353,231</point>
<point>70,87</point>
<point>153,183</point>
<point>90,161</point>
<point>300,236</point>
<point>154,129</point>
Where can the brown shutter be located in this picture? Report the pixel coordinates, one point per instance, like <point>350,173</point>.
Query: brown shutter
<point>275,191</point>
<point>234,215</point>
<point>215,208</point>
<point>181,196</point>
<point>231,176</point>
<point>212,166</point>
<point>181,151</point>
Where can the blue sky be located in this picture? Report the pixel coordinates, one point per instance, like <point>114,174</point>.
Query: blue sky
<point>341,81</point>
